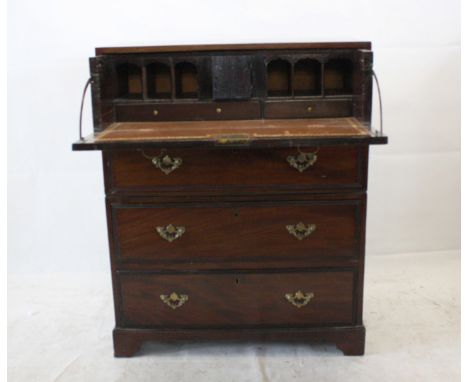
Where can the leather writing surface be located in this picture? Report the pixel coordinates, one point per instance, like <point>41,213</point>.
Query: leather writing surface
<point>251,129</point>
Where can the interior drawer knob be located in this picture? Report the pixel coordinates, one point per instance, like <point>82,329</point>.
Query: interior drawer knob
<point>164,162</point>
<point>310,109</point>
<point>299,299</point>
<point>219,110</point>
<point>170,232</point>
<point>301,230</point>
<point>302,161</point>
<point>155,112</point>
<point>174,300</point>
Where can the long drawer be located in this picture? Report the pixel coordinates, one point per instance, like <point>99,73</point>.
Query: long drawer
<point>238,170</point>
<point>235,232</point>
<point>237,299</point>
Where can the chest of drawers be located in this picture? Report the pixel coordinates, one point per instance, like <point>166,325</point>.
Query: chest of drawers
<point>235,180</point>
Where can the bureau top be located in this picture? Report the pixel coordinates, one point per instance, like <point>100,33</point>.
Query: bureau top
<point>283,93</point>
<point>232,47</point>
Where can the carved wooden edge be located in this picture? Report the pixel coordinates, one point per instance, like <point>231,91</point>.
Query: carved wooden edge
<point>231,47</point>
<point>89,143</point>
<point>349,339</point>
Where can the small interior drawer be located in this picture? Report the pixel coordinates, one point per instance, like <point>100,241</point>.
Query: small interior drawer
<point>308,109</point>
<point>186,111</point>
<point>237,299</point>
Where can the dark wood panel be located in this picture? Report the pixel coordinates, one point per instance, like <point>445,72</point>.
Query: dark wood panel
<point>233,233</point>
<point>187,111</point>
<point>243,299</point>
<point>309,109</point>
<point>232,77</point>
<point>335,167</point>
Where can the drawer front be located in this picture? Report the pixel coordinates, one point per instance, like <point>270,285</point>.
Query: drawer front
<point>309,109</point>
<point>242,299</point>
<point>237,170</point>
<point>235,232</point>
<point>187,111</point>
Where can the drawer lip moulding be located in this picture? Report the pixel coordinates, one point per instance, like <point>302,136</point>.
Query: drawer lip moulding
<point>242,171</point>
<point>232,233</point>
<point>238,299</point>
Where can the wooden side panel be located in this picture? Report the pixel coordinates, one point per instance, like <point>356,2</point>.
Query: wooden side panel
<point>363,86</point>
<point>101,89</point>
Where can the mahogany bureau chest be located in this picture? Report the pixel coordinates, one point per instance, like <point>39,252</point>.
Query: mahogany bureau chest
<point>235,179</point>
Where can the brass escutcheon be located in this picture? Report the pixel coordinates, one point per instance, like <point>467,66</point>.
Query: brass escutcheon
<point>299,299</point>
<point>170,232</point>
<point>301,230</point>
<point>164,162</point>
<point>174,300</point>
<point>302,161</point>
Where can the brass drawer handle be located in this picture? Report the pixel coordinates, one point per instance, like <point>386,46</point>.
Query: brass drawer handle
<point>302,161</point>
<point>219,110</point>
<point>170,232</point>
<point>174,300</point>
<point>164,162</point>
<point>299,299</point>
<point>301,230</point>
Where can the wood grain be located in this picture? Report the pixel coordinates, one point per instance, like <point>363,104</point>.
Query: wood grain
<point>231,233</point>
<point>310,109</point>
<point>236,300</point>
<point>245,170</point>
<point>187,111</point>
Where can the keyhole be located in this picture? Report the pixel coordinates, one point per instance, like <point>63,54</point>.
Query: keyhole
<point>237,281</point>
<point>236,214</point>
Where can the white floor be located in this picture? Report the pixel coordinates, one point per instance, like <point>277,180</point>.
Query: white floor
<point>59,329</point>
